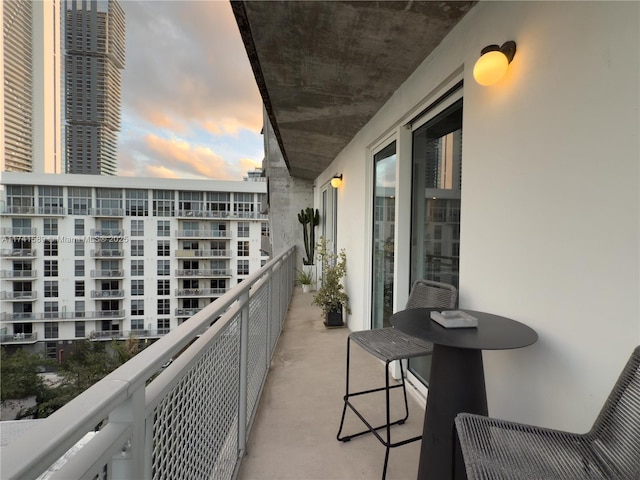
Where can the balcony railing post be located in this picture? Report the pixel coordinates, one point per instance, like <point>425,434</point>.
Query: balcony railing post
<point>129,464</point>
<point>244,369</point>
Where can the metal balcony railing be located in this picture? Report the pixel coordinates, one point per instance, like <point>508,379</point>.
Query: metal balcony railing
<point>107,253</point>
<point>107,293</point>
<point>19,338</point>
<point>190,419</point>
<point>203,234</point>
<point>17,252</point>
<point>19,231</point>
<point>199,292</point>
<point>216,272</point>
<point>107,273</point>
<point>21,296</point>
<point>202,253</point>
<point>18,274</point>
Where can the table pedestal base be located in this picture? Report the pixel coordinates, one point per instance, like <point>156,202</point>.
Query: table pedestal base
<point>456,385</point>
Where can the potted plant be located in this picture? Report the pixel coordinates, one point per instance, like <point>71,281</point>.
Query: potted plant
<point>331,297</point>
<point>305,278</point>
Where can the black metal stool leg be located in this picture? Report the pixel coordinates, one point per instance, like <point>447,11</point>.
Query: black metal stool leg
<point>346,396</point>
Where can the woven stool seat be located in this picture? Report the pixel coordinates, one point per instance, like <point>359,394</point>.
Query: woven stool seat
<point>390,344</point>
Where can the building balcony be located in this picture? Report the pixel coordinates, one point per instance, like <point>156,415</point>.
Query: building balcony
<point>107,232</point>
<point>107,314</point>
<point>200,292</point>
<point>18,274</point>
<point>294,389</point>
<point>53,211</point>
<point>108,335</point>
<point>186,312</point>
<point>202,214</point>
<point>18,253</point>
<point>19,338</point>
<point>217,272</point>
<point>19,232</point>
<point>19,296</point>
<point>203,253</point>
<point>107,273</point>
<point>107,253</point>
<point>217,234</point>
<point>107,212</point>
<point>101,294</point>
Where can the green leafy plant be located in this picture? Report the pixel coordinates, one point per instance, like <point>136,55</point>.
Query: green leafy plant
<point>331,295</point>
<point>305,277</point>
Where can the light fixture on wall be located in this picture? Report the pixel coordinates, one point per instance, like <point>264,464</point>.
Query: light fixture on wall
<point>493,63</point>
<point>336,181</point>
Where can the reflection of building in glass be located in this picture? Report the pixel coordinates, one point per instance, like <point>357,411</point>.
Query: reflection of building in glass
<point>94,59</point>
<point>81,258</point>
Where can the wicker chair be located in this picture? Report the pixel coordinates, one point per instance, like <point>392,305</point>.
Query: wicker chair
<point>389,344</point>
<point>498,449</point>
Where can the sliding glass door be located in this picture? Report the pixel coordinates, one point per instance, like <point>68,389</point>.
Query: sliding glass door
<point>384,211</point>
<point>435,236</point>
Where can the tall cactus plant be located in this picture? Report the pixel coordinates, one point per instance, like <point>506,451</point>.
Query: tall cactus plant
<point>309,220</point>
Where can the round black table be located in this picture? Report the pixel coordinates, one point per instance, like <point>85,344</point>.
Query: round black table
<point>456,381</point>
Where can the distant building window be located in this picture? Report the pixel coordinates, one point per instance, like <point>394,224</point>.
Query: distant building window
<point>243,204</point>
<point>137,248</point>
<point>50,309</point>
<point>79,307</point>
<point>243,267</point>
<point>50,268</point>
<point>51,248</point>
<point>164,248</point>
<point>78,226</point>
<point>78,249</point>
<point>80,333</point>
<point>79,200</point>
<point>109,201</point>
<point>79,290</point>
<point>164,228</point>
<point>137,288</point>
<point>51,288</point>
<point>163,287</point>
<point>243,229</point>
<point>137,228</point>
<point>137,307</point>
<point>137,203</point>
<point>79,268</point>
<point>50,329</point>
<point>190,203</point>
<point>163,326</point>
<point>50,226</point>
<point>163,203</point>
<point>243,249</point>
<point>218,202</point>
<point>164,268</point>
<point>264,228</point>
<point>164,307</point>
<point>137,324</point>
<point>137,268</point>
<point>20,199</point>
<point>50,200</point>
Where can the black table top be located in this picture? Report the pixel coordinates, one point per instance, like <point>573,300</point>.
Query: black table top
<point>492,333</point>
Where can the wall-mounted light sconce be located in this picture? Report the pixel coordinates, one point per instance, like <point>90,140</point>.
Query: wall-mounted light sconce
<point>336,181</point>
<point>493,63</point>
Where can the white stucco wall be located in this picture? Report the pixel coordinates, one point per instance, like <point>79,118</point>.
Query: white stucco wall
<point>550,230</point>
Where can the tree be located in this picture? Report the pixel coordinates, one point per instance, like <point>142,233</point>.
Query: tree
<point>19,375</point>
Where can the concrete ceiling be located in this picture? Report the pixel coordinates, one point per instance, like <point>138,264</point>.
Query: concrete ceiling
<point>324,68</point>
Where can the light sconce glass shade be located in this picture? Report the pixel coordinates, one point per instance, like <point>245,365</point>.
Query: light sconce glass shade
<point>336,181</point>
<point>493,63</point>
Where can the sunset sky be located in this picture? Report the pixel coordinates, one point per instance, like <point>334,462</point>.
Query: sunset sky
<point>190,105</point>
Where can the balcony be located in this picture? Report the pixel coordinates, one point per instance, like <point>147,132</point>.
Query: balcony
<point>107,273</point>
<point>54,211</point>
<point>200,292</point>
<point>107,314</point>
<point>17,253</point>
<point>23,296</point>
<point>218,234</point>
<point>203,253</point>
<point>298,401</point>
<point>107,253</point>
<point>108,335</point>
<point>19,338</point>
<point>19,232</point>
<point>186,312</point>
<point>18,274</point>
<point>101,294</point>
<point>107,212</point>
<point>216,272</point>
<point>107,232</point>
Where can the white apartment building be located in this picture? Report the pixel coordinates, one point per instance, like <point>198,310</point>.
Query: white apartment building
<point>88,256</point>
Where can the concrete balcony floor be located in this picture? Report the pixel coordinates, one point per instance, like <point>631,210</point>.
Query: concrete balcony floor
<point>294,433</point>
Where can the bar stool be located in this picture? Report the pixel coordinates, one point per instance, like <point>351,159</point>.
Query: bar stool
<point>389,344</point>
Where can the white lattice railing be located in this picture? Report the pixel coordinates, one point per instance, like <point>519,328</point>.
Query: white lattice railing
<point>187,420</point>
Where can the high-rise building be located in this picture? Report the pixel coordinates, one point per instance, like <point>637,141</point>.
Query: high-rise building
<point>94,46</point>
<point>84,258</point>
<point>30,93</point>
